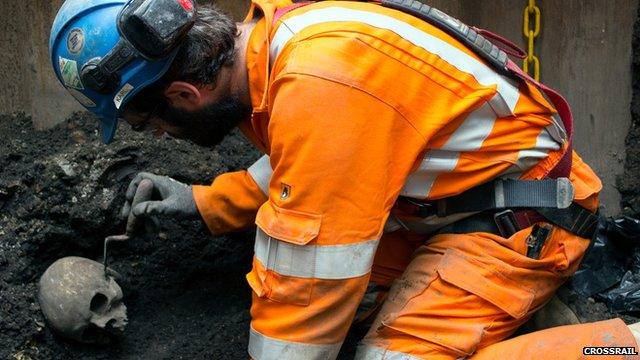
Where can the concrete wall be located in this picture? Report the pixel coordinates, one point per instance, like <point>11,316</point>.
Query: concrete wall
<point>28,84</point>
<point>585,50</point>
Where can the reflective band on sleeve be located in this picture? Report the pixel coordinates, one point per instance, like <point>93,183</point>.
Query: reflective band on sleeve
<point>262,347</point>
<point>420,182</point>
<point>367,352</point>
<point>474,130</point>
<point>329,262</point>
<point>503,103</point>
<point>468,137</point>
<point>544,144</point>
<point>261,173</point>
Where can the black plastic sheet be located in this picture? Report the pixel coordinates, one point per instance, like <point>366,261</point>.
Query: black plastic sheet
<point>625,297</point>
<point>614,251</point>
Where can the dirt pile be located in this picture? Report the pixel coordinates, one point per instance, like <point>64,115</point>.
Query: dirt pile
<point>60,191</point>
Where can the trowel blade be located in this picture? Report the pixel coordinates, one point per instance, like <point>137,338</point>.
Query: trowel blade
<point>108,239</point>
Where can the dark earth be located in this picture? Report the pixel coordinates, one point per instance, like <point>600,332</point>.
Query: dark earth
<point>60,193</point>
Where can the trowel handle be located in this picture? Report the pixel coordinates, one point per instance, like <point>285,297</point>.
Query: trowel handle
<point>143,193</point>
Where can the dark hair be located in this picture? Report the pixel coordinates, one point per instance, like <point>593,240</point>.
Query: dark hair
<point>208,47</point>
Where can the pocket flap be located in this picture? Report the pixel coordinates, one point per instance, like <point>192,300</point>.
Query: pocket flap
<point>288,225</point>
<point>284,289</point>
<point>487,280</point>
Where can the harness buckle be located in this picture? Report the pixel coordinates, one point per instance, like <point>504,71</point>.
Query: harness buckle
<point>506,222</point>
<point>421,209</point>
<point>565,193</point>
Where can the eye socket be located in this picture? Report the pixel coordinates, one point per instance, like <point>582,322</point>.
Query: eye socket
<point>99,303</point>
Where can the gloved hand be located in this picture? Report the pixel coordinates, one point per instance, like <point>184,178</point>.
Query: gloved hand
<point>169,197</point>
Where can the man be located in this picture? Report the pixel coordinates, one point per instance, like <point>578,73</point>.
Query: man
<point>367,115</point>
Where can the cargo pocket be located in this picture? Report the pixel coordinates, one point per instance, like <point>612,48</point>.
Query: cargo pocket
<point>489,279</point>
<point>284,265</point>
<point>462,302</point>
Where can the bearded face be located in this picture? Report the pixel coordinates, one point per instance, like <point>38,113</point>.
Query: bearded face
<point>210,124</point>
<point>206,126</point>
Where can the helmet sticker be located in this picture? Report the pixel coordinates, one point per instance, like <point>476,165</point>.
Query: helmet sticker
<point>69,72</point>
<point>186,4</point>
<point>75,41</point>
<point>126,89</point>
<point>82,98</point>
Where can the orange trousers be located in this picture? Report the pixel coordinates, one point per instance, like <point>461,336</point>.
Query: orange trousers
<point>463,295</point>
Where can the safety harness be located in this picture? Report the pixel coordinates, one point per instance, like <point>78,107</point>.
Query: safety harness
<point>501,206</point>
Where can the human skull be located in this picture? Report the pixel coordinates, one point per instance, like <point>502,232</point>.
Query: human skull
<point>80,301</point>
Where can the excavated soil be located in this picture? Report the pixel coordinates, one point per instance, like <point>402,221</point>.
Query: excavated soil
<point>60,191</point>
<point>60,194</point>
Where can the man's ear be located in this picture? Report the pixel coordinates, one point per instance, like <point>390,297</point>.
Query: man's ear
<point>183,95</point>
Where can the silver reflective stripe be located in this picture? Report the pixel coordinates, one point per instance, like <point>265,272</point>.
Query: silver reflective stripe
<point>544,144</point>
<point>419,183</point>
<point>470,135</point>
<point>368,352</point>
<point>261,173</point>
<point>330,262</point>
<point>262,347</point>
<point>503,103</point>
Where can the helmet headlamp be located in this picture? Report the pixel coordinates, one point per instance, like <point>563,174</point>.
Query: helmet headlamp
<point>150,29</point>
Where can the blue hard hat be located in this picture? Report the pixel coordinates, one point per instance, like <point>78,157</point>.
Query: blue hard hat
<point>85,30</point>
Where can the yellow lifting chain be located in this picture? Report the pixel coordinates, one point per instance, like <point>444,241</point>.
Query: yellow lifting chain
<point>531,10</point>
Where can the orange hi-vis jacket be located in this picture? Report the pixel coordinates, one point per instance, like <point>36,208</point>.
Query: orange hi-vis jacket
<point>354,105</point>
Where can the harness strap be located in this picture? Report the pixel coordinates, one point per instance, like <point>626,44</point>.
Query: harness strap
<point>505,206</point>
<point>509,194</point>
<point>575,219</point>
<point>502,43</point>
